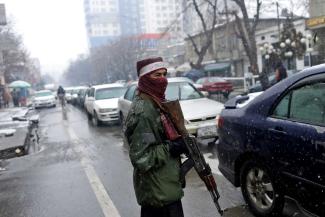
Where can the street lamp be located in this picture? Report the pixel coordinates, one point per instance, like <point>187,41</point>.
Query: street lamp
<point>282,44</point>
<point>288,41</point>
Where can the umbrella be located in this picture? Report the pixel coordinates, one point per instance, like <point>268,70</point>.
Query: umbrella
<point>19,84</point>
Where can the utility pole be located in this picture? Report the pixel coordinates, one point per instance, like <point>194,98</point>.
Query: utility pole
<point>278,17</point>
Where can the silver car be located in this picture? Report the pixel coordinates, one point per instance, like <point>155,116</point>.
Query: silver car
<point>199,111</point>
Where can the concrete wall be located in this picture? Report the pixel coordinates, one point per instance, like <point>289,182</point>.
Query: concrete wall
<point>317,8</point>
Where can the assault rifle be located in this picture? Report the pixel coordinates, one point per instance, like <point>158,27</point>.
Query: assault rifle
<point>195,157</point>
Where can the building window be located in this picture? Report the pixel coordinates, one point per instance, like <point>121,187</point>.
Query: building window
<point>262,37</point>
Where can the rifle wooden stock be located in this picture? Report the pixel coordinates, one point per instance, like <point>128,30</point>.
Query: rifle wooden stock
<point>175,113</point>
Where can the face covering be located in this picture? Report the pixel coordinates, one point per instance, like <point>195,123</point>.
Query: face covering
<point>155,87</point>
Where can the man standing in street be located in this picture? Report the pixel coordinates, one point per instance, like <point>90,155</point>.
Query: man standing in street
<point>280,72</point>
<point>155,146</point>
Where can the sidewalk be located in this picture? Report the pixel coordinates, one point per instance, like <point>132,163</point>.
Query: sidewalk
<point>15,132</point>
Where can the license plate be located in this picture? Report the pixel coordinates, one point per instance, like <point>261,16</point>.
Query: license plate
<point>207,131</point>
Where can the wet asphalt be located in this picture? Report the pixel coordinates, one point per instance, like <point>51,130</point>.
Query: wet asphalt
<point>84,171</point>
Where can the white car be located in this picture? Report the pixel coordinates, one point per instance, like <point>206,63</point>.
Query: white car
<point>68,94</point>
<point>44,98</point>
<point>199,112</point>
<point>101,102</point>
<point>74,93</point>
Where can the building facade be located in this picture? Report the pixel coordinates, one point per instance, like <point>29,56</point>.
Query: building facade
<point>270,36</point>
<point>106,20</point>
<point>316,23</point>
<point>159,16</point>
<point>227,47</point>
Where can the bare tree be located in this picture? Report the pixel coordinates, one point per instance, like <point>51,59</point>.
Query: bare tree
<point>79,72</point>
<point>108,63</point>
<point>246,28</point>
<point>15,58</point>
<point>201,48</point>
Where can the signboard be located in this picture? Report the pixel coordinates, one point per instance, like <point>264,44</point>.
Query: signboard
<point>315,22</point>
<point>3,19</point>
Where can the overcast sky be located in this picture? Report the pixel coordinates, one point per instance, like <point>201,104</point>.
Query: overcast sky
<point>52,30</point>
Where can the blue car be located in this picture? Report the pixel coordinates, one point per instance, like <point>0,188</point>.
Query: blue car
<point>272,144</point>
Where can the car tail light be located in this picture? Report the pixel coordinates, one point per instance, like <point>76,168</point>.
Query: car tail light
<point>220,121</point>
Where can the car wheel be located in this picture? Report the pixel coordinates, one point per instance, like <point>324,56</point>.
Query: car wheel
<point>89,115</point>
<point>95,120</point>
<point>260,190</point>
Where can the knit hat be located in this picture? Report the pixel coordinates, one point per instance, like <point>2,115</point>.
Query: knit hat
<point>149,65</point>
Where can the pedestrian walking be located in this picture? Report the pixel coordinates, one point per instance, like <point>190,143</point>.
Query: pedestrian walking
<point>155,146</point>
<point>61,95</point>
<point>6,97</point>
<point>15,97</point>
<point>280,72</point>
<point>23,93</point>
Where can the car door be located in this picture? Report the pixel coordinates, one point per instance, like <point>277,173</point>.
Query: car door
<point>296,139</point>
<point>128,97</point>
<point>89,100</point>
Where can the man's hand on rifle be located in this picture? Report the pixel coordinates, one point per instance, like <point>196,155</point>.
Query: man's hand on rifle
<point>177,147</point>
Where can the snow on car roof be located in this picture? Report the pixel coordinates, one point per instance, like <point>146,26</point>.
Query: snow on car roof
<point>251,97</point>
<point>101,86</point>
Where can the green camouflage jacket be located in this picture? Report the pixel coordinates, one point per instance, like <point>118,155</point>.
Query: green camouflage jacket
<point>156,176</point>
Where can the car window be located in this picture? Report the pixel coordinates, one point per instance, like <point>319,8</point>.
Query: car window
<point>91,92</point>
<point>216,79</point>
<point>305,104</point>
<point>308,104</point>
<point>40,94</point>
<point>282,109</point>
<point>182,91</point>
<point>129,95</point>
<point>172,91</point>
<point>200,81</point>
<point>109,93</point>
<point>189,92</point>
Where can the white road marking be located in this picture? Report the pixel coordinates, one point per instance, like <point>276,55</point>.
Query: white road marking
<point>105,202</point>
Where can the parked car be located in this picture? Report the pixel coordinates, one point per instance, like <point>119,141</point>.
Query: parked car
<point>74,94</point>
<point>274,146</point>
<point>199,112</point>
<point>81,97</point>
<point>215,85</point>
<point>68,94</point>
<point>101,102</point>
<point>44,98</point>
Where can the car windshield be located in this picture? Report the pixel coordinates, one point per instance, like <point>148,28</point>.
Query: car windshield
<point>40,94</point>
<point>216,79</point>
<point>182,91</point>
<point>109,93</point>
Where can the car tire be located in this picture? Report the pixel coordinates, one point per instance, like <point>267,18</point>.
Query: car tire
<point>261,191</point>
<point>95,120</point>
<point>121,118</point>
<point>89,116</point>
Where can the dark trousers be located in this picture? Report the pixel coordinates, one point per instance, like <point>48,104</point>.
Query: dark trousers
<point>174,209</point>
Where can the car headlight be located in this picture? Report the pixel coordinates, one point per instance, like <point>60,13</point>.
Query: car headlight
<point>107,110</point>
